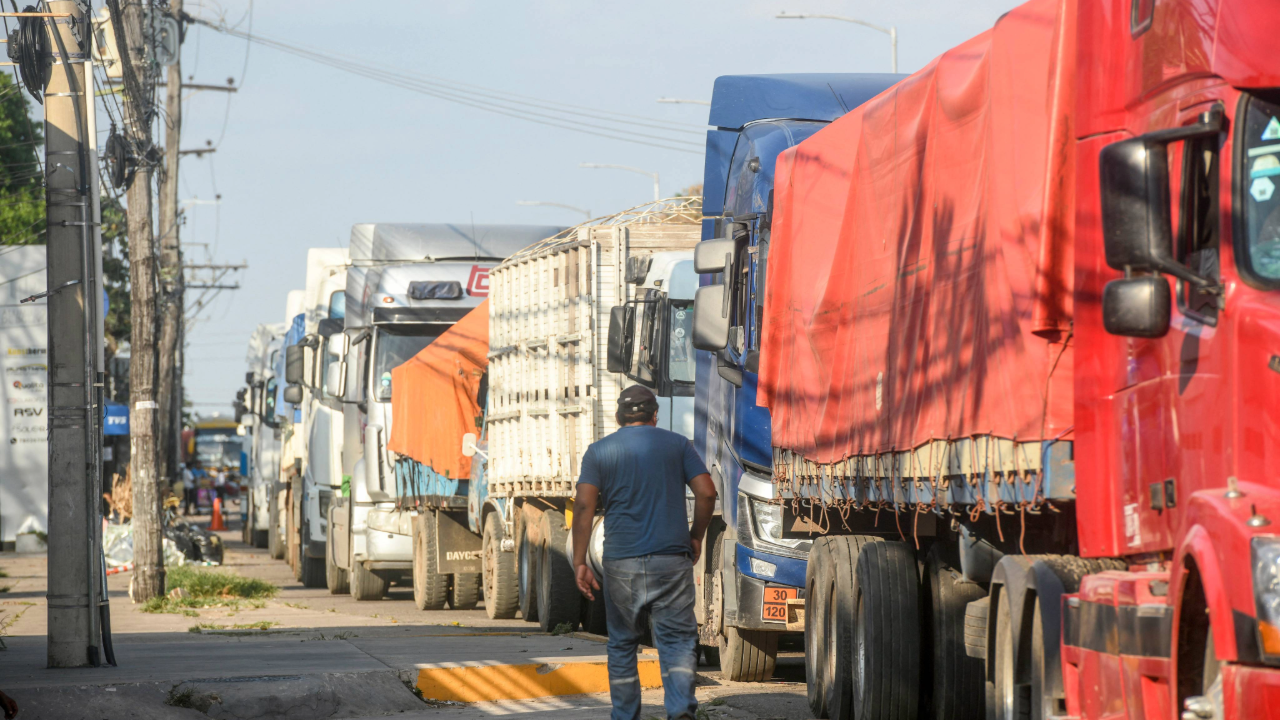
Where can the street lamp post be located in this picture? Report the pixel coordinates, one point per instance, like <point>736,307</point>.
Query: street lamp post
<point>891,31</point>
<point>657,194</point>
<point>587,213</point>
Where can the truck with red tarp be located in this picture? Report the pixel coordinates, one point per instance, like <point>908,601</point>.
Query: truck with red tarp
<point>1019,344</point>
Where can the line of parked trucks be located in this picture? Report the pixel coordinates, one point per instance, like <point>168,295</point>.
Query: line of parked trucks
<point>984,361</point>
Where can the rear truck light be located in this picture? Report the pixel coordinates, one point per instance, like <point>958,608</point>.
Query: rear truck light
<point>1266,595</point>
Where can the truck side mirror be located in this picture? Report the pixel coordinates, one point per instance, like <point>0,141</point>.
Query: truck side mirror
<point>710,318</point>
<point>713,256</point>
<point>1136,210</point>
<point>339,345</point>
<point>335,381</point>
<point>293,394</point>
<point>469,444</point>
<point>295,363</point>
<point>1137,306</point>
<point>622,323</point>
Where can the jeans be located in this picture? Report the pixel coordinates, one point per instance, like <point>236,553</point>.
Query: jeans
<point>663,586</point>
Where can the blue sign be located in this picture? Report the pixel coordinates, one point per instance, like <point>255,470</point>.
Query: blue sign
<point>115,419</point>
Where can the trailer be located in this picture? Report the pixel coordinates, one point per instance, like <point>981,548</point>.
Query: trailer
<point>1016,347</point>
<point>573,320</point>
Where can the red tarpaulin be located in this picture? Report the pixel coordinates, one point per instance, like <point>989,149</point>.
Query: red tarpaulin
<point>433,396</point>
<point>919,283</point>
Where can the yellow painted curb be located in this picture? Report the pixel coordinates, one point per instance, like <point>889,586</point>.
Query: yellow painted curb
<point>486,683</point>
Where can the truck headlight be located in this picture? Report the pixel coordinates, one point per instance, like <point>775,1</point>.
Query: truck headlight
<point>768,523</point>
<point>1266,593</point>
<point>324,497</point>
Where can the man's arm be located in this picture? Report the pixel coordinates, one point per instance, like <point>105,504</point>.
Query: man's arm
<point>704,503</point>
<point>584,512</point>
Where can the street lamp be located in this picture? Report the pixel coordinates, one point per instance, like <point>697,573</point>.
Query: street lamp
<point>555,204</point>
<point>657,195</point>
<point>678,101</point>
<point>891,31</point>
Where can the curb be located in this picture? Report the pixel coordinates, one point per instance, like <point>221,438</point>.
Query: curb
<point>487,683</point>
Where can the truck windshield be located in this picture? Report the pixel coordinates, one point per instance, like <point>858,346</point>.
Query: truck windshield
<point>393,346</point>
<point>218,451</point>
<point>1259,175</point>
<point>681,366</point>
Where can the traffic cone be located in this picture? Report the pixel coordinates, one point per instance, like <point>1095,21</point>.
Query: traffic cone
<point>216,524</point>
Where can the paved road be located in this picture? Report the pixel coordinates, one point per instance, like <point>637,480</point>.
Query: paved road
<point>333,656</point>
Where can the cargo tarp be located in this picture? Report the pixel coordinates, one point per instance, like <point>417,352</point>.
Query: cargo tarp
<point>919,282</point>
<point>433,396</point>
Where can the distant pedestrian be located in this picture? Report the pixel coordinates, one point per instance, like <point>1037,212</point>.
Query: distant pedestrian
<point>220,487</point>
<point>640,473</point>
<point>189,488</point>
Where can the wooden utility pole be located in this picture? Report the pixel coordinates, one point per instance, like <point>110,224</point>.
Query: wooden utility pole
<point>74,304</point>
<point>144,461</point>
<point>170,392</point>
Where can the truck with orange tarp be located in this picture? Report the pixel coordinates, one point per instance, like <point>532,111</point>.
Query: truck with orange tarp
<point>1019,345</point>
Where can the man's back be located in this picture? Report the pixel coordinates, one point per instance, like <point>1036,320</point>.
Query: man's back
<point>642,472</point>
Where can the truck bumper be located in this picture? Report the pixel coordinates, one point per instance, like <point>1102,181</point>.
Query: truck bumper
<point>1250,692</point>
<point>751,590</point>
<point>380,545</point>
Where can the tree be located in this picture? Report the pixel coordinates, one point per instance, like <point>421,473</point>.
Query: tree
<point>21,179</point>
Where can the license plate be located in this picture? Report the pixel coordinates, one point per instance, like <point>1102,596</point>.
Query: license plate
<point>774,607</point>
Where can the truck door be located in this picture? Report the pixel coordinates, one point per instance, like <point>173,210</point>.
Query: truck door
<point>1172,420</point>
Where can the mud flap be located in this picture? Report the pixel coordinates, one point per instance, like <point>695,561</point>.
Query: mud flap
<point>458,550</point>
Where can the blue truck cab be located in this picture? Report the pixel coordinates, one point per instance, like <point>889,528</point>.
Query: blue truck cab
<point>749,570</point>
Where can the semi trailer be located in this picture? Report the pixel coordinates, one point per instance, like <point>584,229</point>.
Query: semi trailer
<point>1018,336</point>
<point>754,117</point>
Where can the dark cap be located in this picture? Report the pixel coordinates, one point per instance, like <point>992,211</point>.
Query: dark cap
<point>637,398</point>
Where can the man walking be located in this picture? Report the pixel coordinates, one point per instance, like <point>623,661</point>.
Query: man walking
<point>639,473</point>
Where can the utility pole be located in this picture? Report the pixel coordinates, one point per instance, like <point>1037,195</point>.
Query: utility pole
<point>144,461</point>
<point>169,396</point>
<point>74,294</point>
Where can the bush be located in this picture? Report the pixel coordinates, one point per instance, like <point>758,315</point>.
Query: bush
<point>211,584</point>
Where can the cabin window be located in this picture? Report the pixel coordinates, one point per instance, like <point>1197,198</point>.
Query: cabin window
<point>1258,141</point>
<point>1197,233</point>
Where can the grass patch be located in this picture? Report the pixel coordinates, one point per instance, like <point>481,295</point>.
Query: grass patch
<point>563,629</point>
<point>3,573</point>
<point>209,588</point>
<point>299,606</point>
<point>261,625</point>
<point>191,698</point>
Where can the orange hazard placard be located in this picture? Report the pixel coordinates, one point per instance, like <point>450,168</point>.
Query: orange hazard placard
<point>774,608</point>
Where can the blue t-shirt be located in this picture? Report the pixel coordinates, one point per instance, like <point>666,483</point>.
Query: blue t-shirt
<point>641,472</point>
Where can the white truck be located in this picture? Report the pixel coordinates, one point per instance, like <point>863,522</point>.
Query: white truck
<point>554,378</point>
<point>262,430</point>
<point>320,429</point>
<point>289,417</point>
<point>406,285</point>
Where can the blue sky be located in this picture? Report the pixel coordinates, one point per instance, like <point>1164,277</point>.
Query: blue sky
<point>309,150</point>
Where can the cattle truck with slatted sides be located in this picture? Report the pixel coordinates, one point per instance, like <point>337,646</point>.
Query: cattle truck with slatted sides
<point>1020,353</point>
<point>573,321</point>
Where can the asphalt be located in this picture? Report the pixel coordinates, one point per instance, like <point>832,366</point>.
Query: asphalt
<point>324,656</point>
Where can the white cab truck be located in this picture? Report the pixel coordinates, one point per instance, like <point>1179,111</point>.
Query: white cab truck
<point>320,430</point>
<point>262,430</point>
<point>289,417</point>
<point>574,320</point>
<point>407,284</point>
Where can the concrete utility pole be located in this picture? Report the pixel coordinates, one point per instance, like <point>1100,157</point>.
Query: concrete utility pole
<point>144,461</point>
<point>74,304</point>
<point>169,396</point>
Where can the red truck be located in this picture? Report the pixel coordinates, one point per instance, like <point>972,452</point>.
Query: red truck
<point>1019,341</point>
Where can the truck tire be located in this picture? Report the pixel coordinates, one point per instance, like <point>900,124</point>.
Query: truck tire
<point>952,682</point>
<point>886,640</point>
<point>464,591</point>
<point>748,655</point>
<point>365,583</point>
<point>313,572</point>
<point>430,588</point>
<point>838,624</point>
<point>1012,699</point>
<point>526,570</point>
<point>275,546</point>
<point>818,578</point>
<point>335,578</point>
<point>501,589</point>
<point>260,538</point>
<point>593,614</point>
<point>559,602</point>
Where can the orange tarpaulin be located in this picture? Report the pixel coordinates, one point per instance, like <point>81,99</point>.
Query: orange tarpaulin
<point>919,279</point>
<point>433,396</point>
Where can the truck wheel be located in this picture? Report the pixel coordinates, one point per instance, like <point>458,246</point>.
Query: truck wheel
<point>293,544</point>
<point>335,578</point>
<point>886,632</point>
<point>260,538</point>
<point>501,589</point>
<point>526,570</point>
<point>464,591</point>
<point>818,577</point>
<point>365,584</point>
<point>1012,698</point>
<point>838,621</point>
<point>952,681</point>
<point>313,572</point>
<point>559,601</point>
<point>275,548</point>
<point>748,655</point>
<point>593,614</point>
<point>430,588</point>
